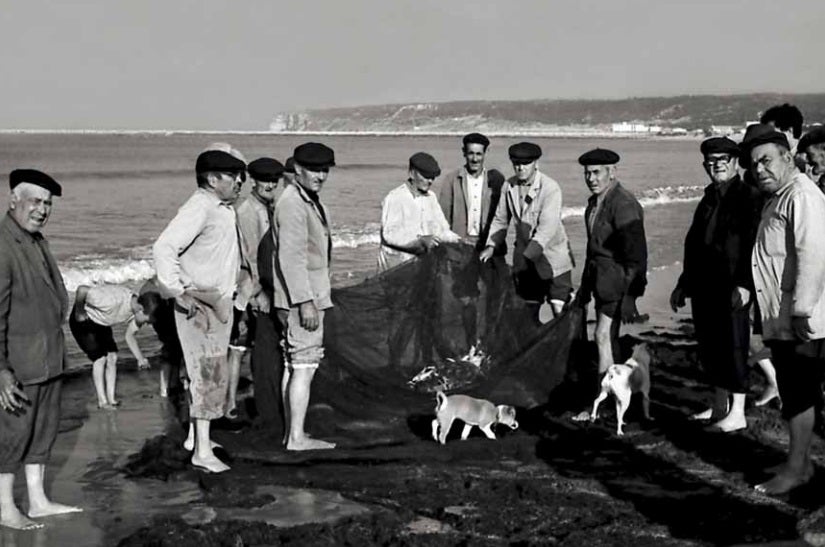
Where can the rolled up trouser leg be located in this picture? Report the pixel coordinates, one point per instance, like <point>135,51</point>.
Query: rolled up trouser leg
<point>27,437</point>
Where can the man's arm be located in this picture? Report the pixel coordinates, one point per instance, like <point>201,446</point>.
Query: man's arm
<point>445,198</point>
<point>630,228</point>
<point>175,238</point>
<point>5,307</point>
<point>131,341</point>
<point>807,217</point>
<point>293,236</point>
<point>549,221</point>
<point>394,231</point>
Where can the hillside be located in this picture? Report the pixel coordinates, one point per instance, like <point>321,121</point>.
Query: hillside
<point>691,112</point>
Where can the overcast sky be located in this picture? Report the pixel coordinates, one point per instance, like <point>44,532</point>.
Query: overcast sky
<point>234,64</point>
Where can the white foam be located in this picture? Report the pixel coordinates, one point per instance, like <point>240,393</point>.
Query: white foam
<point>105,270</point>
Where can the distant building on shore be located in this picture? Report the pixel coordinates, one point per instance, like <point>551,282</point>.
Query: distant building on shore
<point>634,127</point>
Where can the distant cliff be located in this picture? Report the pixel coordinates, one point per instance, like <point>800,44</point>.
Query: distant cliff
<point>690,112</point>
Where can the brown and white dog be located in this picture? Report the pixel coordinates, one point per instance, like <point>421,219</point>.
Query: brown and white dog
<point>473,412</point>
<point>622,381</point>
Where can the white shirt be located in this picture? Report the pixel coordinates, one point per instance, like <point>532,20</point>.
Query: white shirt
<point>404,217</point>
<point>109,305</point>
<point>475,187</point>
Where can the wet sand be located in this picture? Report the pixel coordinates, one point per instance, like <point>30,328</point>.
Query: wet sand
<point>552,482</point>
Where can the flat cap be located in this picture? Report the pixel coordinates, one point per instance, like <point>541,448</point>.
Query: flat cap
<point>719,145</point>
<point>814,136</point>
<point>226,147</point>
<point>265,170</point>
<point>314,155</point>
<point>222,162</point>
<point>524,152</point>
<point>425,164</point>
<point>289,166</point>
<point>38,178</point>
<point>599,156</point>
<point>758,134</point>
<point>476,138</point>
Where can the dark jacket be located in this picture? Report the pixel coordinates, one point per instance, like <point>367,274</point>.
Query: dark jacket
<point>33,305</point>
<point>453,198</point>
<point>719,242</point>
<point>616,256</point>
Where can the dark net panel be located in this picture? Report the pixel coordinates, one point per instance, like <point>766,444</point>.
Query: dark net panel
<point>444,321</point>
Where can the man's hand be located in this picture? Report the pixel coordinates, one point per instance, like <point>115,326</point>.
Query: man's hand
<point>429,242</point>
<point>486,254</point>
<point>677,299</point>
<point>12,398</point>
<point>260,303</point>
<point>309,315</point>
<point>801,327</point>
<point>80,314</point>
<point>740,298</point>
<point>188,303</point>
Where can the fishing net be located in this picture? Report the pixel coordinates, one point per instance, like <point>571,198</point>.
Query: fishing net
<point>442,322</point>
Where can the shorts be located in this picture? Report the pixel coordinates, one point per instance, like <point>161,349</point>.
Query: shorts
<point>95,340</point>
<point>302,348</point>
<point>799,373</point>
<point>27,437</point>
<point>530,286</point>
<point>243,328</point>
<point>611,309</point>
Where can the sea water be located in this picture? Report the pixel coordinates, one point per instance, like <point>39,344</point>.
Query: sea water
<point>120,191</point>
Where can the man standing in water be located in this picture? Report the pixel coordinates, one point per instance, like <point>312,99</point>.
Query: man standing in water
<point>788,267</point>
<point>33,305</point>
<point>198,259</point>
<point>302,288</point>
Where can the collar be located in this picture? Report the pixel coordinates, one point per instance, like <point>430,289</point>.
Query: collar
<point>599,198</point>
<point>466,174</point>
<point>213,197</point>
<point>266,204</point>
<point>19,233</point>
<point>414,193</point>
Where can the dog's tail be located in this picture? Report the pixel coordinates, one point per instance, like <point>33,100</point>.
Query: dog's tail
<point>441,401</point>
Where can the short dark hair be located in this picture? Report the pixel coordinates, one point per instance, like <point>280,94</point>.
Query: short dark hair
<point>475,138</point>
<point>151,303</point>
<point>784,117</point>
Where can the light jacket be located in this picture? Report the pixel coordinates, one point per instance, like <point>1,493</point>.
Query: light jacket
<point>454,198</point>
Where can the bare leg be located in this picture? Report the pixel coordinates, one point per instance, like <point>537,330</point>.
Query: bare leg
<point>235,355</point>
<point>603,341</point>
<point>98,369</point>
<point>735,420</point>
<point>203,457</point>
<point>799,468</point>
<point>165,371</point>
<point>189,443</point>
<point>285,399</point>
<point>10,515</point>
<point>111,377</point>
<point>299,382</point>
<point>39,504</point>
<point>772,389</point>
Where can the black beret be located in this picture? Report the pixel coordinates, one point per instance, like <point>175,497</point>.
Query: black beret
<point>314,155</point>
<point>814,136</point>
<point>599,156</point>
<point>524,152</point>
<point>289,166</point>
<point>476,138</point>
<point>265,170</point>
<point>219,161</point>
<point>425,164</point>
<point>719,145</point>
<point>758,134</point>
<point>38,178</point>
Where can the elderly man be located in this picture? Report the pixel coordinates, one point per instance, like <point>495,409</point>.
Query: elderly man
<point>302,290</point>
<point>542,262</point>
<point>33,305</point>
<point>254,220</point>
<point>616,249</point>
<point>412,222</point>
<point>788,268</point>
<point>198,260</point>
<point>812,145</point>
<point>716,277</point>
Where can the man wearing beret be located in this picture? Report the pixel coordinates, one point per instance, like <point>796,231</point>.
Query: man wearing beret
<point>541,258</point>
<point>616,248</point>
<point>302,290</point>
<point>33,304</point>
<point>254,220</point>
<point>716,277</point>
<point>198,260</point>
<point>412,222</point>
<point>812,145</point>
<point>788,268</point>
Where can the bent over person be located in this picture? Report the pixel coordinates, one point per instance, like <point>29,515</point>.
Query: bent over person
<point>716,277</point>
<point>33,304</point>
<point>302,290</point>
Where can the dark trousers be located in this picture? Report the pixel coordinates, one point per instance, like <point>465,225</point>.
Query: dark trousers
<point>723,336</point>
<point>799,373</point>
<point>267,365</point>
<point>27,437</point>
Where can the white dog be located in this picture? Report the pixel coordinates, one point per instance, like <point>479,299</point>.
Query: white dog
<point>473,412</point>
<point>622,381</point>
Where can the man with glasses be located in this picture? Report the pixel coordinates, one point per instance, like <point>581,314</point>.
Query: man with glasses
<point>198,260</point>
<point>716,277</point>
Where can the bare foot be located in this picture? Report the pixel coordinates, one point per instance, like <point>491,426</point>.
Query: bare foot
<point>210,465</point>
<point>106,406</point>
<point>52,508</point>
<point>781,468</point>
<point>767,396</point>
<point>308,443</point>
<point>704,415</point>
<point>784,482</point>
<point>730,423</point>
<point>18,521</point>
<point>583,416</point>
